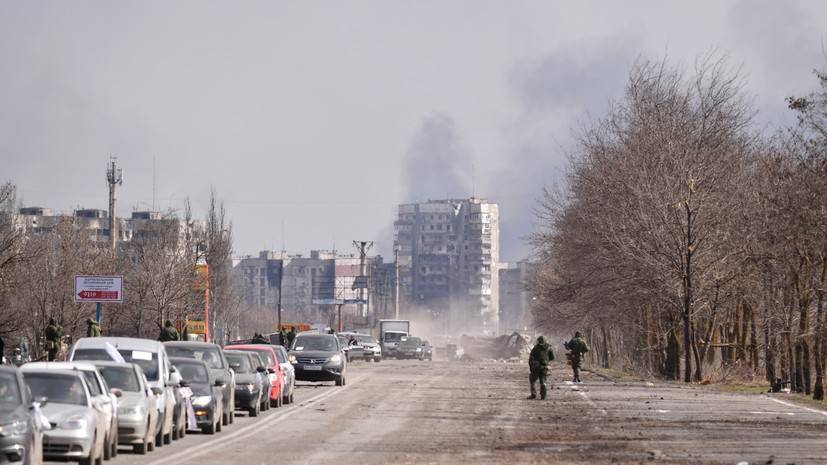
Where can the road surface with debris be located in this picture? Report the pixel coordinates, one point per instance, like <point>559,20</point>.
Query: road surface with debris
<point>415,412</point>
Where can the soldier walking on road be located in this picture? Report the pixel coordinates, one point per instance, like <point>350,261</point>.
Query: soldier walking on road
<point>93,329</point>
<point>53,335</point>
<point>169,333</point>
<point>577,347</point>
<point>538,362</point>
<point>290,336</point>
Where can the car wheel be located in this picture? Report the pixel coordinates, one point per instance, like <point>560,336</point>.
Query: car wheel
<point>150,446</point>
<point>92,459</point>
<point>168,438</point>
<point>254,411</point>
<point>159,438</point>
<point>274,403</point>
<point>209,429</point>
<point>183,432</point>
<point>291,395</point>
<point>340,380</point>
<point>140,449</point>
<point>377,359</point>
<point>107,449</point>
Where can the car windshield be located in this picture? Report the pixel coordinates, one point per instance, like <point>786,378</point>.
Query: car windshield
<point>193,373</point>
<point>57,388</point>
<point>209,355</point>
<point>411,342</point>
<point>317,342</point>
<point>9,391</point>
<point>241,360</point>
<point>123,378</point>
<point>393,337</point>
<point>257,358</point>
<point>148,361</point>
<point>266,356</point>
<point>282,355</point>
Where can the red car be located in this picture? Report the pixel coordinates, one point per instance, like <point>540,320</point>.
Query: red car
<point>268,354</point>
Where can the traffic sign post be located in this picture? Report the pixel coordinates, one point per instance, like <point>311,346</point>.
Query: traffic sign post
<point>98,289</point>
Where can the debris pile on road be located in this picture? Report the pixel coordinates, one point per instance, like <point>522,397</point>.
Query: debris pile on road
<point>505,347</point>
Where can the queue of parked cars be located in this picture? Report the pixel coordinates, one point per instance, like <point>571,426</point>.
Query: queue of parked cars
<point>140,393</point>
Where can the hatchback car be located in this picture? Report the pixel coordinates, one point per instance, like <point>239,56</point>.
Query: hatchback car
<point>268,355</point>
<point>261,368</point>
<point>207,392</point>
<point>77,425</point>
<point>318,357</point>
<point>289,374</point>
<point>137,415</point>
<point>99,390</point>
<point>248,383</point>
<point>410,347</point>
<point>21,435</point>
<point>213,356</point>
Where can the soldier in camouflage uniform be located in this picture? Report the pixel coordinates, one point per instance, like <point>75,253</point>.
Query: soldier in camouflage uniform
<point>93,329</point>
<point>577,347</point>
<point>53,335</point>
<point>538,361</point>
<point>169,333</point>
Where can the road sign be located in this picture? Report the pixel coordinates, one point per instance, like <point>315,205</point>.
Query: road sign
<point>99,289</point>
<point>197,327</point>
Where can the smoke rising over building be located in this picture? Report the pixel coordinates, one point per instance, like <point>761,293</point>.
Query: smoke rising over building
<point>448,256</point>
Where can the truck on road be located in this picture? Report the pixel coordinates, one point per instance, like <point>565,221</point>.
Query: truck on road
<point>390,333</point>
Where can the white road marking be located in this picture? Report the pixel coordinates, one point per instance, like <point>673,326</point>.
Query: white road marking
<point>789,414</point>
<point>789,404</point>
<point>228,438</point>
<point>663,411</point>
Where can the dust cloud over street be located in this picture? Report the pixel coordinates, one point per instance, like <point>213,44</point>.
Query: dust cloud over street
<point>450,412</point>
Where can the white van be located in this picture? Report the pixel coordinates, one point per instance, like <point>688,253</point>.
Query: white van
<point>152,358</point>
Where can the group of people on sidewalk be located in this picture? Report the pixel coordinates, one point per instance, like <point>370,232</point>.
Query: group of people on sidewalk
<point>542,354</point>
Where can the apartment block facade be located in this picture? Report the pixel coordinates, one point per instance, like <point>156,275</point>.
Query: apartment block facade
<point>448,257</point>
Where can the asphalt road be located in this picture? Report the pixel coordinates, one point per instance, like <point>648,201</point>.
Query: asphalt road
<point>405,412</point>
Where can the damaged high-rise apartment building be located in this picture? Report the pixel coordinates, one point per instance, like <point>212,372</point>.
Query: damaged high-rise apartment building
<point>448,256</point>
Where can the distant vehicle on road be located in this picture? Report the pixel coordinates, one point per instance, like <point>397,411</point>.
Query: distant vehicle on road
<point>207,392</point>
<point>78,428</point>
<point>137,415</point>
<point>410,347</point>
<point>21,439</point>
<point>213,356</point>
<point>427,351</point>
<point>270,358</point>
<point>390,334</point>
<point>368,345</point>
<point>318,357</point>
<point>249,387</point>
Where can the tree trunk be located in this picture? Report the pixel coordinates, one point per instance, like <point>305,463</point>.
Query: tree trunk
<point>818,389</point>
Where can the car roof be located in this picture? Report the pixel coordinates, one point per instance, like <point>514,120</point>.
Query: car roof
<point>250,347</point>
<point>55,371</point>
<point>83,366</point>
<point>102,363</point>
<point>131,343</point>
<point>314,335</point>
<point>8,369</point>
<point>191,344</point>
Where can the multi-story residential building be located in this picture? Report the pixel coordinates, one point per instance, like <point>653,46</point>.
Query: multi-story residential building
<point>448,255</point>
<point>515,299</point>
<point>309,285</point>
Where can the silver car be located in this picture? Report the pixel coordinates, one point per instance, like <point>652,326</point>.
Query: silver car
<point>289,374</point>
<point>99,389</point>
<point>21,433</point>
<point>77,427</point>
<point>137,415</point>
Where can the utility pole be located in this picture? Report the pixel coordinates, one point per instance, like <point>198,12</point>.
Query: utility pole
<point>363,247</point>
<point>281,281</point>
<point>114,176</point>
<point>396,283</point>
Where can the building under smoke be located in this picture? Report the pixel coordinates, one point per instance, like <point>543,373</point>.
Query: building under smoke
<point>448,257</point>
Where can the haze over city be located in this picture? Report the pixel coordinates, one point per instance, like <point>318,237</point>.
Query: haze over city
<point>324,116</point>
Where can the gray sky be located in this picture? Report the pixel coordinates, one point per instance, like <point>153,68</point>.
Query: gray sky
<point>324,115</point>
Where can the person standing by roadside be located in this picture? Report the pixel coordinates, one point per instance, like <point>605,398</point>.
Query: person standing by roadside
<point>538,360</point>
<point>577,347</point>
<point>93,329</point>
<point>168,333</point>
<point>53,335</point>
<point>290,336</point>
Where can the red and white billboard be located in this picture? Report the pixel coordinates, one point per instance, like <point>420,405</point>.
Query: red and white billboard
<point>98,288</point>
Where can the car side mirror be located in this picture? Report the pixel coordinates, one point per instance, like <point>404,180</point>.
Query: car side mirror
<point>40,402</point>
<point>220,383</point>
<point>175,379</point>
<point>157,391</point>
<point>261,369</point>
<point>271,370</point>
<point>116,392</point>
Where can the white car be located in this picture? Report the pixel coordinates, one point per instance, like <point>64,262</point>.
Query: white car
<point>99,390</point>
<point>137,415</point>
<point>78,425</point>
<point>151,356</point>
